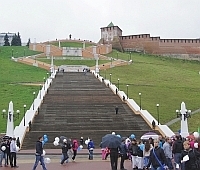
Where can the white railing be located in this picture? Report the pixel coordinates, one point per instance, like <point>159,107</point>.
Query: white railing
<point>21,130</point>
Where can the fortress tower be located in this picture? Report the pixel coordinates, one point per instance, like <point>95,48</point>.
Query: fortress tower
<point>110,35</point>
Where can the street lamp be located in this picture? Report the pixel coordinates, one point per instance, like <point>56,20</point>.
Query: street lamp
<point>127,90</point>
<point>110,77</point>
<point>140,95</point>
<point>40,91</point>
<point>47,77</point>
<point>24,115</point>
<point>12,52</point>
<point>44,82</point>
<point>17,114</point>
<point>118,84</point>
<point>187,114</point>
<point>33,99</point>
<point>157,105</point>
<point>3,113</point>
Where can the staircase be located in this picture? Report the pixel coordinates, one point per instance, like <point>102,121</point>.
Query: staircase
<point>80,105</point>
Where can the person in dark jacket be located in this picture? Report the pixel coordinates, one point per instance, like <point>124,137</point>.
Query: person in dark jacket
<point>81,141</point>
<point>157,153</point>
<point>39,154</point>
<point>133,149</point>
<point>123,150</point>
<point>8,151</point>
<point>3,153</point>
<point>192,154</point>
<point>66,146</point>
<point>177,149</point>
<point>114,157</point>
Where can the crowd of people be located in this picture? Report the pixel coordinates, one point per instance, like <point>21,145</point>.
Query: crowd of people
<point>175,153</point>
<point>8,148</point>
<point>169,153</point>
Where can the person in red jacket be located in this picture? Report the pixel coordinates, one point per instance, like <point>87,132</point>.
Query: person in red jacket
<point>74,148</point>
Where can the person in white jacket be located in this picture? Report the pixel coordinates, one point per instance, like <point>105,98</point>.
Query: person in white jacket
<point>13,150</point>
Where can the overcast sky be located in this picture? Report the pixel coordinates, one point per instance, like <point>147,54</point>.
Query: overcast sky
<point>45,20</point>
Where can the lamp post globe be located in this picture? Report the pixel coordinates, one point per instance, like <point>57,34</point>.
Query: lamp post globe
<point>18,113</point>
<point>157,105</point>
<point>127,90</point>
<point>33,99</point>
<point>3,112</point>
<point>140,95</point>
<point>24,115</point>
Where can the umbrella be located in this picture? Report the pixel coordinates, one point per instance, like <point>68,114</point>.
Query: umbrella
<point>111,141</point>
<point>148,135</point>
<point>61,140</point>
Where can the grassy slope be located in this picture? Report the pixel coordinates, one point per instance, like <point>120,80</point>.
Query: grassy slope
<point>71,44</point>
<point>12,74</point>
<point>161,80</point>
<point>88,63</point>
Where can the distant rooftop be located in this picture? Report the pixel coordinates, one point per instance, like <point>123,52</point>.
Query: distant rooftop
<point>111,25</point>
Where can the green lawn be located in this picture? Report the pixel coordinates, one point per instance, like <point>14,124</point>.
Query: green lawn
<point>72,44</point>
<point>13,74</point>
<point>161,80</point>
<point>88,63</point>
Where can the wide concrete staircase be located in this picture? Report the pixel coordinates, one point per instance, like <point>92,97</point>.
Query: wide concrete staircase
<point>80,105</point>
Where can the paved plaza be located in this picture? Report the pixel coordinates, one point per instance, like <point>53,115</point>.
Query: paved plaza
<point>26,159</point>
<point>79,164</point>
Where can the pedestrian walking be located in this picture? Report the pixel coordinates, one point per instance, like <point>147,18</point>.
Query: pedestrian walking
<point>74,148</point>
<point>39,154</point>
<point>116,110</point>
<point>90,149</point>
<point>66,146</point>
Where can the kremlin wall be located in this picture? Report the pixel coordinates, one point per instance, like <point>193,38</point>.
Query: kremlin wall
<point>147,44</point>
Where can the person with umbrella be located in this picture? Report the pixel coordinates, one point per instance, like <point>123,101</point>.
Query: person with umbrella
<point>112,142</point>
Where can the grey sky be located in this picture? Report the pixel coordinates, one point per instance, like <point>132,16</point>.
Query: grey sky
<point>45,20</point>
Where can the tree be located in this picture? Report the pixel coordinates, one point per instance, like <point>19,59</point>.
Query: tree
<point>14,40</point>
<point>6,40</point>
<point>19,42</point>
<point>28,43</point>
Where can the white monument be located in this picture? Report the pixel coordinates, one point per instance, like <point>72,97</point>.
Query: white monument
<point>184,114</point>
<point>96,56</point>
<point>52,67</point>
<point>10,121</point>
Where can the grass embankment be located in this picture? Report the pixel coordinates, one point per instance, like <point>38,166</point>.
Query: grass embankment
<point>162,80</point>
<point>13,74</point>
<point>86,62</point>
<point>72,44</point>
